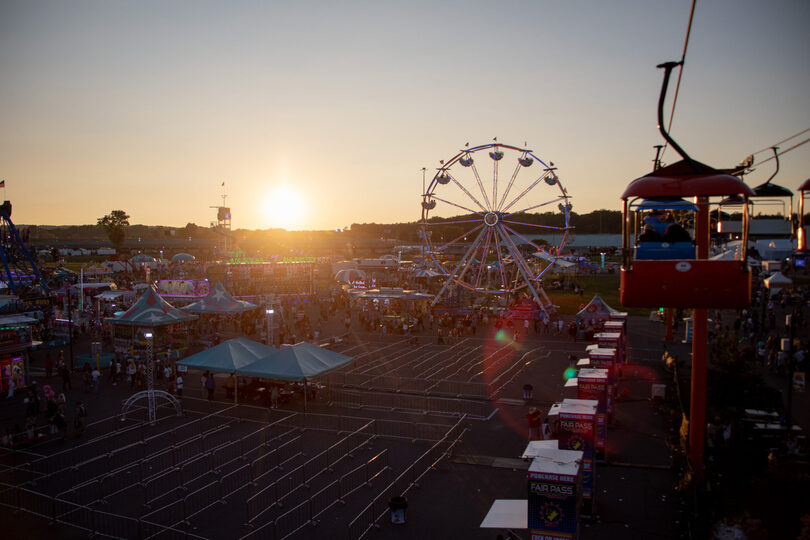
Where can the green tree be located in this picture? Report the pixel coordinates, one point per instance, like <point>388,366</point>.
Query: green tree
<point>114,225</point>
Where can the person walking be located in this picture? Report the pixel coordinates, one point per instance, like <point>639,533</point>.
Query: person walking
<point>95,377</point>
<point>535,420</point>
<point>78,418</point>
<point>527,391</point>
<point>178,382</point>
<point>230,384</point>
<point>65,373</point>
<point>210,385</point>
<point>274,397</point>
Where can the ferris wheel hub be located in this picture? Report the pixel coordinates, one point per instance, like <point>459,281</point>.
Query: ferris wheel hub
<point>491,219</point>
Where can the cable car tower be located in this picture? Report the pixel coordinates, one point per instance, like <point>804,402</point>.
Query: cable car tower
<point>676,271</point>
<point>19,267</point>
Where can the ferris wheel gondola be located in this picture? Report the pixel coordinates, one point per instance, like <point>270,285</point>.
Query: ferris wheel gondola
<point>477,222</point>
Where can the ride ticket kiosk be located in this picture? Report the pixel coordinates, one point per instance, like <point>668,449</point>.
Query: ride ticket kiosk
<point>577,431</point>
<point>592,384</point>
<point>555,494</point>
<point>611,340</point>
<point>606,359</point>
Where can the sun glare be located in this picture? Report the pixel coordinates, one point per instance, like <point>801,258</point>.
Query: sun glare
<point>285,208</point>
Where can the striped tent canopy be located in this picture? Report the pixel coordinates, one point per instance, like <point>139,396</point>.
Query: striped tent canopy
<point>151,310</point>
<point>219,301</point>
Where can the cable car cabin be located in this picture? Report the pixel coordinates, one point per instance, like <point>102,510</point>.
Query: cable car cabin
<point>666,241</point>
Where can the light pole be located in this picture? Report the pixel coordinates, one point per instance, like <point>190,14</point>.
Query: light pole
<point>150,377</point>
<point>270,338</point>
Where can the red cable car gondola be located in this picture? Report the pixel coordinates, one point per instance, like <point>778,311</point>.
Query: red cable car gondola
<point>675,273</point>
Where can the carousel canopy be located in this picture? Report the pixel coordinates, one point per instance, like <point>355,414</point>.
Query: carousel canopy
<point>219,301</point>
<point>229,356</point>
<point>183,257</point>
<point>151,310</point>
<point>296,363</point>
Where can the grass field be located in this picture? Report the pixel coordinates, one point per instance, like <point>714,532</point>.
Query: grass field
<point>605,285</point>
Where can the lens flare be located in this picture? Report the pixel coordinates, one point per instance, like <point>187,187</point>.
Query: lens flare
<point>569,373</point>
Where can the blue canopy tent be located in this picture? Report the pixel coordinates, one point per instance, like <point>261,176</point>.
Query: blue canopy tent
<point>229,356</point>
<point>298,363</point>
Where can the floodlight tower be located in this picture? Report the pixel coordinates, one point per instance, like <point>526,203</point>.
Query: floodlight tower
<point>222,225</point>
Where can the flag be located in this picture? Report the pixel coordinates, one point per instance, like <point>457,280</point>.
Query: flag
<point>2,183</point>
<point>223,184</point>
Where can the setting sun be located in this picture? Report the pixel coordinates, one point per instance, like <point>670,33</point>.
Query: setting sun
<point>285,208</point>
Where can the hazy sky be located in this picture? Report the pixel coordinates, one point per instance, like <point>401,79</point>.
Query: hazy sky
<point>148,106</point>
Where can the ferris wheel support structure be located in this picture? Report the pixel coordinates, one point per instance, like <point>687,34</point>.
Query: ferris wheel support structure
<point>459,198</point>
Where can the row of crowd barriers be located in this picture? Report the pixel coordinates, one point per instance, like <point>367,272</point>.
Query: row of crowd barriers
<point>93,521</point>
<point>402,360</point>
<point>163,471</point>
<point>369,517</point>
<point>474,409</point>
<point>483,378</point>
<point>147,452</point>
<point>310,511</point>
<point>122,435</point>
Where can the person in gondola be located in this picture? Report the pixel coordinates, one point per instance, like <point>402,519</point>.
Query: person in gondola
<point>650,235</point>
<point>676,233</point>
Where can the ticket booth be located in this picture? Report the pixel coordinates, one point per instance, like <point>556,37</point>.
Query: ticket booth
<point>592,385</point>
<point>611,340</point>
<point>555,493</point>
<point>606,359</point>
<point>577,432</point>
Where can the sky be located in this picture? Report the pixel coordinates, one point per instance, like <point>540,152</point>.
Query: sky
<point>317,115</point>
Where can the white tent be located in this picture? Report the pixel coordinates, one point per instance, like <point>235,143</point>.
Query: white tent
<point>778,281</point>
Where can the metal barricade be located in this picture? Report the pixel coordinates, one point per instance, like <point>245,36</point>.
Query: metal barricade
<point>160,485</point>
<point>201,499</point>
<point>293,520</point>
<point>158,463</point>
<point>263,465</point>
<point>34,502</point>
<point>261,502</point>
<point>122,457</point>
<point>115,526</point>
<point>325,498</point>
<point>216,437</point>
<point>74,514</point>
<point>226,454</point>
<point>187,449</point>
<point>195,468</point>
<point>234,481</point>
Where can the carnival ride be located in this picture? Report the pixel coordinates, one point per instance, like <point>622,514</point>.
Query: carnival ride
<point>493,221</point>
<point>670,275</point>
<point>19,267</point>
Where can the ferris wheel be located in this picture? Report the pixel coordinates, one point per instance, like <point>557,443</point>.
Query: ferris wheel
<point>495,218</point>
